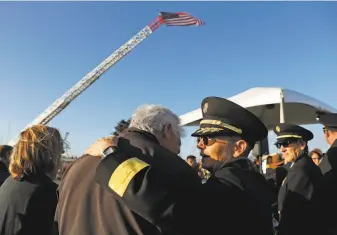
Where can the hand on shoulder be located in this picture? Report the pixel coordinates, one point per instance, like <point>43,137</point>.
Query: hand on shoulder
<point>96,149</point>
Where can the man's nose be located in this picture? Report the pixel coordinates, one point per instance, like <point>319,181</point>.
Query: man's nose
<point>201,145</point>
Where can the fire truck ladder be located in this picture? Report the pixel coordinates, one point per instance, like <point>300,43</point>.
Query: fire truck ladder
<point>61,103</point>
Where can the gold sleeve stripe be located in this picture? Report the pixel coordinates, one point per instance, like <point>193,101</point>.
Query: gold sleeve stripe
<point>222,124</point>
<point>124,173</point>
<point>288,136</point>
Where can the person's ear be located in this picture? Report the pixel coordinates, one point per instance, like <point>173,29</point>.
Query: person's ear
<point>239,147</point>
<point>303,144</point>
<point>167,131</point>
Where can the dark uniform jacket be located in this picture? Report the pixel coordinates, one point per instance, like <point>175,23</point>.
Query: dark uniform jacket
<point>280,174</point>
<point>172,167</point>
<point>27,206</point>
<point>297,213</point>
<point>247,211</point>
<point>277,178</point>
<point>235,200</point>
<point>270,172</point>
<point>270,177</point>
<point>84,208</point>
<point>328,162</point>
<point>4,173</point>
<point>165,192</point>
<point>326,194</point>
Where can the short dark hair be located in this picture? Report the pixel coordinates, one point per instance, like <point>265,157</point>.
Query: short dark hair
<point>317,151</point>
<point>269,158</point>
<point>190,157</point>
<point>306,149</point>
<point>4,150</point>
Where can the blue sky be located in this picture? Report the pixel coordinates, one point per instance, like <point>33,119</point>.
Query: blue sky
<point>46,47</point>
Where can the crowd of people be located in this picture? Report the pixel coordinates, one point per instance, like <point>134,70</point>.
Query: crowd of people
<point>134,182</point>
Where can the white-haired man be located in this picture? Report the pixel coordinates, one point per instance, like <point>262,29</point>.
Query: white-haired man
<point>85,208</point>
<point>155,124</point>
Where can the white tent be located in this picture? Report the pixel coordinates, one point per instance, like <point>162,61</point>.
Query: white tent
<point>272,105</point>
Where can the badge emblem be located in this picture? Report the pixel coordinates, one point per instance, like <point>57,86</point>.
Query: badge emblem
<point>277,129</point>
<point>205,107</point>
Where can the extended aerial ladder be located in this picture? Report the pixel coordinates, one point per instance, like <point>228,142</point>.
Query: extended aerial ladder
<point>171,19</point>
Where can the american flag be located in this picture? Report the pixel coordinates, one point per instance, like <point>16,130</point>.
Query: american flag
<point>180,19</point>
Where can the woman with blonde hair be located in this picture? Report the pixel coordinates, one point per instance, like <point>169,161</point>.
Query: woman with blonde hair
<point>28,198</point>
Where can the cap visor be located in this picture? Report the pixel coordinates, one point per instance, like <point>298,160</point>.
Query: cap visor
<point>197,133</point>
<point>331,128</point>
<point>279,141</point>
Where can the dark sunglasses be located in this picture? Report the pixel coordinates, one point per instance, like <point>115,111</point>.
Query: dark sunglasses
<point>207,141</point>
<point>285,144</point>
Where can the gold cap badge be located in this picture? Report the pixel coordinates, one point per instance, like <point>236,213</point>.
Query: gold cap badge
<point>205,107</point>
<point>277,129</point>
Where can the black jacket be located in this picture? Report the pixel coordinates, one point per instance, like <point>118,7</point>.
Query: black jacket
<point>325,196</point>
<point>297,212</point>
<point>84,208</point>
<point>27,206</point>
<point>280,174</point>
<point>4,173</point>
<point>329,161</point>
<point>136,143</point>
<point>237,191</point>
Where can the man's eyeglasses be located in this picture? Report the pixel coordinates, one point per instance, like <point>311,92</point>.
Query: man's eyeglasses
<point>207,141</point>
<point>285,144</point>
<point>324,130</point>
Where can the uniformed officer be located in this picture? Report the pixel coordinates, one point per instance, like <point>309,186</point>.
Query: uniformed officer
<point>295,195</point>
<point>227,134</point>
<point>234,200</point>
<point>326,196</point>
<point>329,122</point>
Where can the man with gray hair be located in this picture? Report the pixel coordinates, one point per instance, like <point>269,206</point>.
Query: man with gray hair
<point>154,131</point>
<point>86,208</point>
<point>157,123</point>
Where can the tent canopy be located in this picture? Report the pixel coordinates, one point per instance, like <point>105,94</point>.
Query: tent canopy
<point>265,103</point>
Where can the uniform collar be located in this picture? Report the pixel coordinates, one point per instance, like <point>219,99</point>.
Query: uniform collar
<point>34,178</point>
<point>334,144</point>
<point>302,155</point>
<point>239,162</point>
